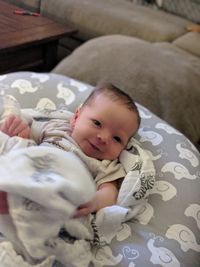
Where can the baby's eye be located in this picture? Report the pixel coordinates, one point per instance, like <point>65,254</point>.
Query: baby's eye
<point>97,123</point>
<point>117,139</point>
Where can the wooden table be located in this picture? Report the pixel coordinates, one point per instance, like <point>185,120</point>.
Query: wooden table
<point>28,42</point>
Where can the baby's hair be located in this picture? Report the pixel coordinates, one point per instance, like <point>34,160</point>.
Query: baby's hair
<point>115,94</point>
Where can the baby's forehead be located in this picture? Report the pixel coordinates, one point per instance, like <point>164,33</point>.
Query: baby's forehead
<point>119,107</point>
<point>104,96</point>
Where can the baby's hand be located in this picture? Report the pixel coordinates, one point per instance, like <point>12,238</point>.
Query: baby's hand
<point>15,126</point>
<point>86,208</point>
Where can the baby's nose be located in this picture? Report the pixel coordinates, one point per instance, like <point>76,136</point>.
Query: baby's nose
<point>104,137</point>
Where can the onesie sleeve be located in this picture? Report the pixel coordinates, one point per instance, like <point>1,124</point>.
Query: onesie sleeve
<point>109,171</point>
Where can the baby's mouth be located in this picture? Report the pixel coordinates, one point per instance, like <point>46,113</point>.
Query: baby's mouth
<point>94,146</point>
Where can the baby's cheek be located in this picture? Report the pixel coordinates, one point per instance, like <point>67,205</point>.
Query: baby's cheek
<point>115,152</point>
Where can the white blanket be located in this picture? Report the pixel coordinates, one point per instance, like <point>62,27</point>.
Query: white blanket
<point>45,185</point>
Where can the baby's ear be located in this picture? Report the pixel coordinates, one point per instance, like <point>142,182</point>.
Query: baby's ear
<point>74,118</point>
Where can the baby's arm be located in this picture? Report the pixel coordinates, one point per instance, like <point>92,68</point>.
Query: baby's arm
<point>106,195</point>
<point>15,126</point>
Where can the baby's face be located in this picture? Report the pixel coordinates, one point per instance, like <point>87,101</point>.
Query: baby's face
<point>103,127</point>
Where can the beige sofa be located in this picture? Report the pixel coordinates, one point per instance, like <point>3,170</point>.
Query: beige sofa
<point>94,18</point>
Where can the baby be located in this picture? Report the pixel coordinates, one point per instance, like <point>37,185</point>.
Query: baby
<point>98,132</point>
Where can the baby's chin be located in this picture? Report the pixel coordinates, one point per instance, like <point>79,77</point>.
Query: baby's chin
<point>93,152</point>
<point>103,157</point>
<point>97,156</point>
<point>92,155</point>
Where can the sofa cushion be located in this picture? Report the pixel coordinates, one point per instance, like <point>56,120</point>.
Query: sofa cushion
<point>189,9</point>
<point>189,42</point>
<point>164,79</point>
<point>95,18</point>
<point>33,5</point>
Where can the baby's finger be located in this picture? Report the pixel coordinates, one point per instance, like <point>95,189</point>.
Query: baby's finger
<point>19,129</point>
<point>81,212</point>
<point>16,126</point>
<point>10,119</point>
<point>5,126</point>
<point>25,133</point>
